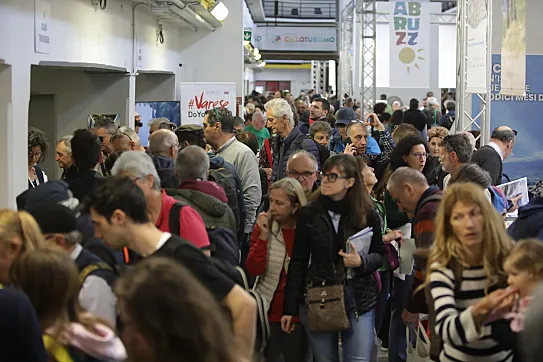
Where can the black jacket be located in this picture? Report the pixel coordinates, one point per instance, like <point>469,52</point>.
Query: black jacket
<point>489,160</point>
<point>415,118</point>
<point>165,167</point>
<point>83,182</point>
<point>315,241</point>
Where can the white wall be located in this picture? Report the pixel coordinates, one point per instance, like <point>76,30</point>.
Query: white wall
<point>299,78</point>
<point>81,35</point>
<point>215,56</point>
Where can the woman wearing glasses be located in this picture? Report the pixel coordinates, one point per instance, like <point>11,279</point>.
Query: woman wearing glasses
<point>269,257</point>
<point>37,148</point>
<point>411,151</point>
<point>323,257</point>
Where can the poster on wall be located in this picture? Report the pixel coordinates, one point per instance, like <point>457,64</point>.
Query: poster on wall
<point>198,97</point>
<point>92,119</point>
<point>150,110</point>
<point>42,26</point>
<point>477,29</point>
<point>526,159</point>
<point>513,64</point>
<point>410,45</point>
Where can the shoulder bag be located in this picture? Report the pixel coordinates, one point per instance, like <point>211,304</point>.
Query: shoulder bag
<point>325,304</point>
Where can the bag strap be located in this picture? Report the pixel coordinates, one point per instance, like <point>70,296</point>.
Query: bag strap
<point>268,150</point>
<point>458,273</point>
<point>174,224</point>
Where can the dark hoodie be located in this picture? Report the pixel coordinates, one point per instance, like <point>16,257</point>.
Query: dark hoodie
<point>83,182</point>
<point>165,168</point>
<point>530,221</point>
<point>209,200</point>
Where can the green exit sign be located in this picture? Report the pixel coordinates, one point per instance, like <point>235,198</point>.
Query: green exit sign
<point>247,35</point>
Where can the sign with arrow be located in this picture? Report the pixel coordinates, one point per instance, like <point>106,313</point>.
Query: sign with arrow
<point>247,35</point>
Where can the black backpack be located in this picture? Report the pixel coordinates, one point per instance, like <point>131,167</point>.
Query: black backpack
<point>224,178</point>
<point>450,122</point>
<point>324,153</point>
<point>224,245</point>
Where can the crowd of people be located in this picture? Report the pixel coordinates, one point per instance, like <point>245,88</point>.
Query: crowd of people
<point>308,230</point>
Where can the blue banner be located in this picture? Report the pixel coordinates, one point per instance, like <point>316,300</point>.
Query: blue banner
<point>522,114</point>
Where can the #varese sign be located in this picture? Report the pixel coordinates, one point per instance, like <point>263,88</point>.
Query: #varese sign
<point>197,98</point>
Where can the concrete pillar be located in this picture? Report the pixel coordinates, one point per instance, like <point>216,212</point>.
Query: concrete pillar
<point>14,99</point>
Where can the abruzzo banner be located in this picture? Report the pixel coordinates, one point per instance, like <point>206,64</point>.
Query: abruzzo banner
<point>410,45</point>
<point>513,60</point>
<point>199,97</point>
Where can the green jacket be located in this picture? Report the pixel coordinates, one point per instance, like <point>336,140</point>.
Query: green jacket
<point>213,211</point>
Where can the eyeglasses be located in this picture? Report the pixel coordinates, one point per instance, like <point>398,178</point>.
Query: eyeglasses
<point>295,174</point>
<point>332,177</point>
<point>420,155</point>
<point>36,154</point>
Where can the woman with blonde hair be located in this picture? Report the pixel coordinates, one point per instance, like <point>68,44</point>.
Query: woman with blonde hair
<point>272,242</point>
<point>51,281</point>
<point>465,272</point>
<point>19,232</point>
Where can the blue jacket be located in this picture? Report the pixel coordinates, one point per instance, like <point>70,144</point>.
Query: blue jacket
<point>529,223</point>
<point>282,149</point>
<point>165,168</point>
<point>338,146</point>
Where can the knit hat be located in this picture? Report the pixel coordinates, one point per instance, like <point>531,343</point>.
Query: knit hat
<point>54,218</point>
<point>345,115</point>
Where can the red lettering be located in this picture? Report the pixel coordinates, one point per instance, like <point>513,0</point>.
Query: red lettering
<point>207,105</point>
<point>401,37</point>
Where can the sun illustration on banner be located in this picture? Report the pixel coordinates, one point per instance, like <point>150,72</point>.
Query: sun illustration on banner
<point>409,56</point>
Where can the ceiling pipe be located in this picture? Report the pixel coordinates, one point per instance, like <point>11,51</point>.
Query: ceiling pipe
<point>181,6</point>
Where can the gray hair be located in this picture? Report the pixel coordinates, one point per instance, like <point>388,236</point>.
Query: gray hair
<point>192,164</point>
<point>137,164</point>
<point>107,124</point>
<point>406,175</point>
<point>67,140</point>
<point>161,141</point>
<point>471,139</point>
<point>304,153</point>
<point>293,189</point>
<point>158,121</point>
<point>73,237</point>
<point>278,107</point>
<point>320,126</point>
<point>128,132</point>
<point>256,115</point>
<point>432,101</point>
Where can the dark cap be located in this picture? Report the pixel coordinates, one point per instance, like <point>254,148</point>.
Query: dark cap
<point>55,218</point>
<point>345,115</point>
<point>189,128</point>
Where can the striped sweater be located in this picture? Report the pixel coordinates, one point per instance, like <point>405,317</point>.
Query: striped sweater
<point>454,322</point>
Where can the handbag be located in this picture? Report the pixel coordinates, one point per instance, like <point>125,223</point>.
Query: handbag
<point>421,351</point>
<point>325,304</point>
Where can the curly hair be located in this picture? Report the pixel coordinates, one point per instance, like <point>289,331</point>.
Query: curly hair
<point>37,137</point>
<point>440,132</point>
<point>403,148</point>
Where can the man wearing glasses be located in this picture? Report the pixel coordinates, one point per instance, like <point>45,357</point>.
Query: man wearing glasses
<point>454,151</point>
<point>301,166</point>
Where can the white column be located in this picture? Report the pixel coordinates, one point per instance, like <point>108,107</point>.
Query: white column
<point>14,100</point>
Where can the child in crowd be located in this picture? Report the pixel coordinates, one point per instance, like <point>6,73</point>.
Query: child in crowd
<point>524,267</point>
<point>51,281</point>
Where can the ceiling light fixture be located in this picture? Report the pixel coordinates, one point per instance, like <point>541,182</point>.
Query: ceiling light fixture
<point>263,64</point>
<point>220,11</point>
<point>256,51</point>
<point>258,56</point>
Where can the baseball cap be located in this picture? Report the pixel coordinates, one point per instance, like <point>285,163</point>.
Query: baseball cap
<point>345,116</point>
<point>55,218</point>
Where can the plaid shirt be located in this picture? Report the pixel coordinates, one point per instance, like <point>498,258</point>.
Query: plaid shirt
<point>387,146</point>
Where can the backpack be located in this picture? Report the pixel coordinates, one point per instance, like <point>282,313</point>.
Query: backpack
<point>436,343</point>
<point>262,322</point>
<point>450,122</point>
<point>499,200</point>
<point>391,261</point>
<point>224,245</point>
<point>324,153</point>
<point>224,178</point>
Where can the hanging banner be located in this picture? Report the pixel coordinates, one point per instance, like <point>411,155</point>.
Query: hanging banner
<point>513,71</point>
<point>198,97</point>
<point>410,45</point>
<point>476,64</point>
<point>527,158</point>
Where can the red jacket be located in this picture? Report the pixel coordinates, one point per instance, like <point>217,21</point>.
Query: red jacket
<point>256,264</point>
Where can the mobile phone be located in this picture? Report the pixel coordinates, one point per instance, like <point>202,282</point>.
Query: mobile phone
<point>348,140</point>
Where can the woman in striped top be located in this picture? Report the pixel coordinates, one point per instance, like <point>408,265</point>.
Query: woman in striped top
<point>465,271</point>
